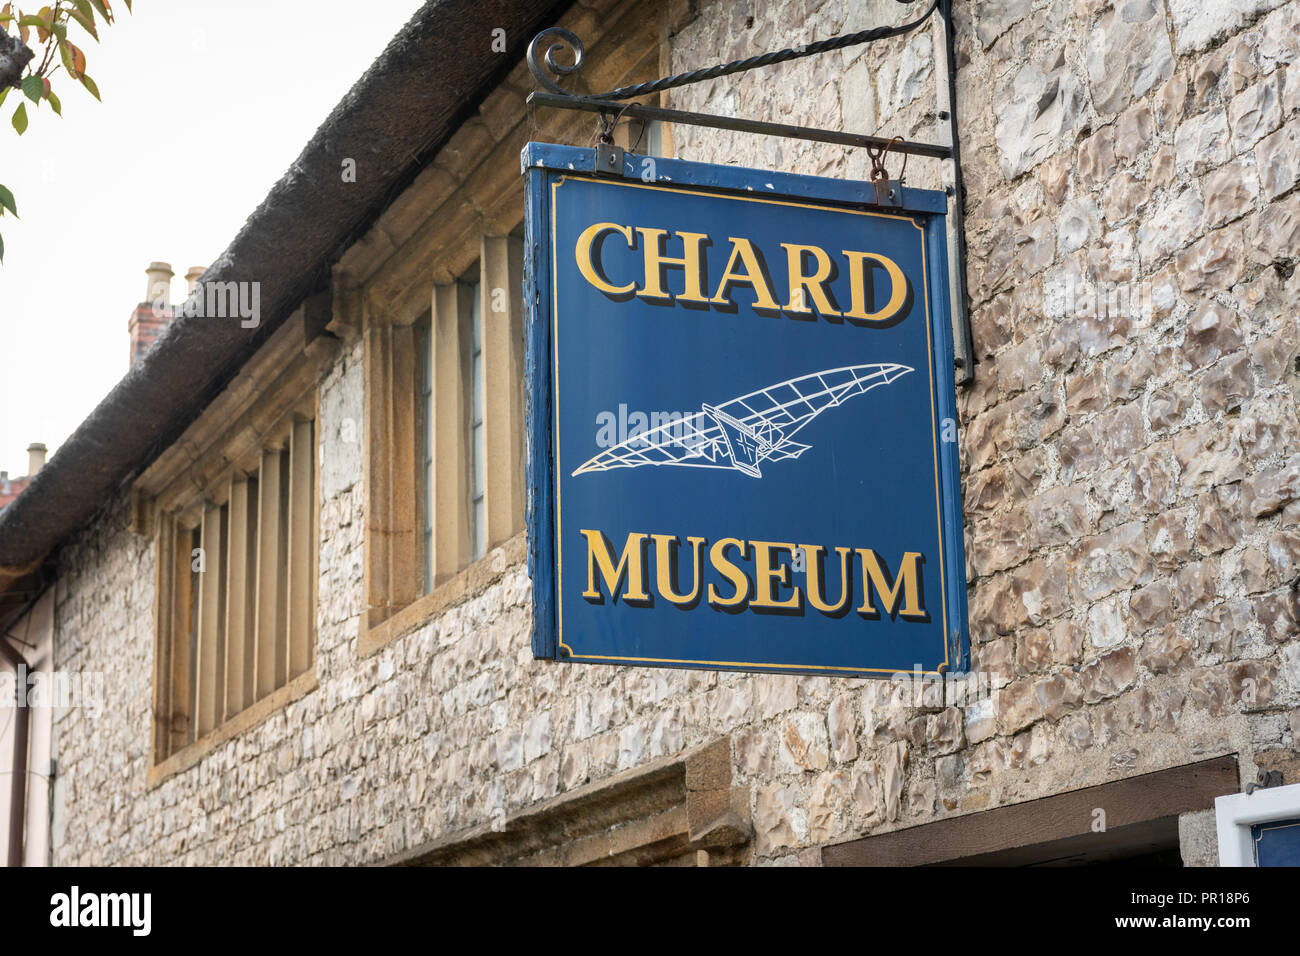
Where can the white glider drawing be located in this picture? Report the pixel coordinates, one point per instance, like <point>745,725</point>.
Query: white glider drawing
<point>747,431</point>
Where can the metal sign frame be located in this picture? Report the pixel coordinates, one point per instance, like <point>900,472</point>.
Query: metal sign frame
<point>545,165</point>
<point>557,40</point>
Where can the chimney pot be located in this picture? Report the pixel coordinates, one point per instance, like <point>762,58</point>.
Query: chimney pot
<point>35,458</point>
<point>159,290</point>
<point>192,278</point>
<point>152,315</point>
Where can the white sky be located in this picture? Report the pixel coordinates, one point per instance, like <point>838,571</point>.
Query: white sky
<point>206,104</point>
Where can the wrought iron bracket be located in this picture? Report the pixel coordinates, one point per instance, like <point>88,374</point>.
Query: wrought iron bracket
<point>591,104</point>
<point>548,46</point>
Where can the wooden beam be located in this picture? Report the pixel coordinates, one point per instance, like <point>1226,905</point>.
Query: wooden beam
<point>271,558</point>
<point>300,605</point>
<point>241,582</point>
<point>378,470</point>
<point>181,633</point>
<point>405,577</point>
<point>1126,803</point>
<point>451,318</point>
<point>210,668</point>
<point>503,385</point>
<point>423,422</point>
<point>164,595</point>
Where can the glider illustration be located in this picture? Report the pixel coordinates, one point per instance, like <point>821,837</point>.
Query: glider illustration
<point>747,431</point>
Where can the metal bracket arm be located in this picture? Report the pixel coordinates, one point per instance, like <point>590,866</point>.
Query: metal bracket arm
<point>592,105</point>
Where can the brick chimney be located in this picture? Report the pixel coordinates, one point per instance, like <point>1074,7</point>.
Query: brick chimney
<point>152,315</point>
<point>11,488</point>
<point>35,458</point>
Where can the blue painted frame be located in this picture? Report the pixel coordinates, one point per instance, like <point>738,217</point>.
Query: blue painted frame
<point>544,163</point>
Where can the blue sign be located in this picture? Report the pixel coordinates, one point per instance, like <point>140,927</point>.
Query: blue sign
<point>1277,843</point>
<point>742,443</point>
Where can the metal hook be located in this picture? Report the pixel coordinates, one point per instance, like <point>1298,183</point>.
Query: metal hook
<point>879,173</point>
<point>605,134</point>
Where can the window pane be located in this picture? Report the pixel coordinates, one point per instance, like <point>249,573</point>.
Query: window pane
<point>480,529</point>
<point>476,377</point>
<point>654,138</point>
<point>480,460</point>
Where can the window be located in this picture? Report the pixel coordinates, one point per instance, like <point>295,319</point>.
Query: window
<point>237,591</point>
<point>1261,828</point>
<point>645,137</point>
<point>445,436</point>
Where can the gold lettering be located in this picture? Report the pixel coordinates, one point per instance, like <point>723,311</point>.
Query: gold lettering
<point>665,577</point>
<point>812,284</point>
<point>743,250</point>
<point>813,562</point>
<point>730,571</point>
<point>908,581</point>
<point>765,573</point>
<point>858,267</point>
<point>651,242</point>
<point>583,254</point>
<point>629,561</point>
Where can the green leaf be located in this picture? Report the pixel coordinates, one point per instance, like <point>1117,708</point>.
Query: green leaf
<point>7,201</point>
<point>31,20</point>
<point>84,8</point>
<point>87,23</point>
<point>20,118</point>
<point>2,248</point>
<point>66,55</point>
<point>55,103</point>
<point>33,88</point>
<point>103,10</point>
<point>89,84</point>
<point>3,93</point>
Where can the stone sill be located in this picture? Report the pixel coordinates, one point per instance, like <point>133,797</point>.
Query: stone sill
<point>245,720</point>
<point>460,587</point>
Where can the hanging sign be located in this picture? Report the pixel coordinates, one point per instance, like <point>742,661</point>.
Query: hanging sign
<point>742,443</point>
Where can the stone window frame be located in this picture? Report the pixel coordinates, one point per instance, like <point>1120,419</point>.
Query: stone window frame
<point>266,418</point>
<point>396,597</point>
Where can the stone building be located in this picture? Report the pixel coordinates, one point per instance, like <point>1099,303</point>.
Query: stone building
<point>355,683</point>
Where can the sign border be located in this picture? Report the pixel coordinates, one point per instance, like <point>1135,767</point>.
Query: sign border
<point>546,168</point>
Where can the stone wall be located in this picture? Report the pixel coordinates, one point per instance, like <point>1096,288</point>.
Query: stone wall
<point>1130,480</point>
